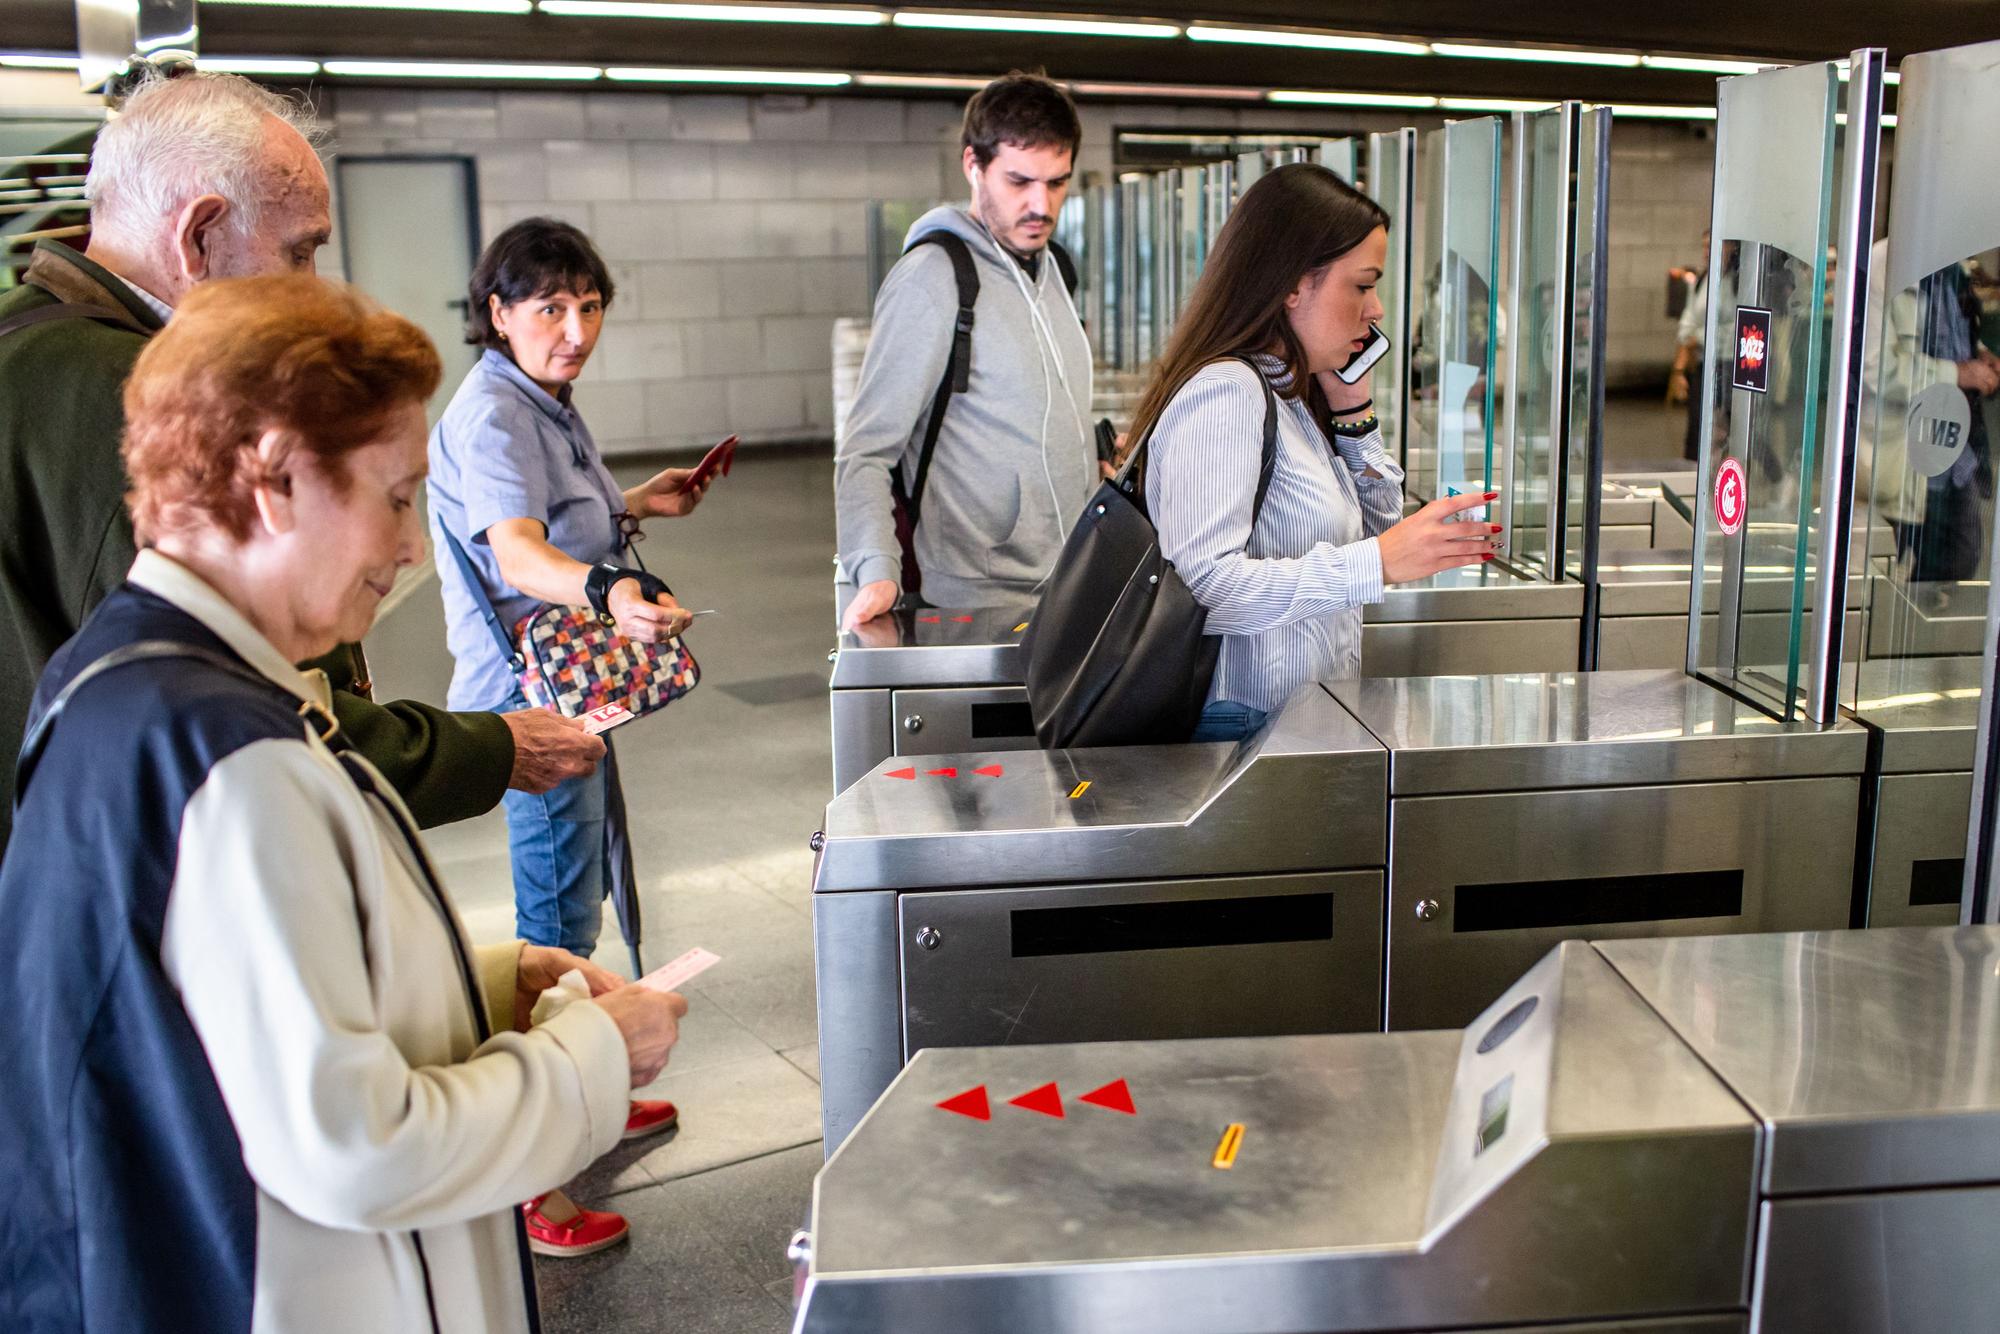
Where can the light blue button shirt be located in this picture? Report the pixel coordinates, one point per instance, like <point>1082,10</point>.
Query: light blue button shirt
<point>506,449</point>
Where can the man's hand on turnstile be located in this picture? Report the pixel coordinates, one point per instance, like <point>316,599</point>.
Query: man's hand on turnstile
<point>870,602</point>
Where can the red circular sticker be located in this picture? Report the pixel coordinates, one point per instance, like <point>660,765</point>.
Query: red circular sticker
<point>1732,497</point>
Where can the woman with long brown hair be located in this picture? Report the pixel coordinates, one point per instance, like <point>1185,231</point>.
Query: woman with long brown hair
<point>1285,300</point>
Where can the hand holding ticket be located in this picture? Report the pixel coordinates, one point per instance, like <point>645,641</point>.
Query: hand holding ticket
<point>673,976</point>
<point>606,718</point>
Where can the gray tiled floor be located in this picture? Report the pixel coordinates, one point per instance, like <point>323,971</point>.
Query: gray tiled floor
<point>725,787</point>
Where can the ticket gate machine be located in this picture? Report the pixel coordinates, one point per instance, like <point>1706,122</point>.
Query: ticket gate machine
<point>1793,1133</point>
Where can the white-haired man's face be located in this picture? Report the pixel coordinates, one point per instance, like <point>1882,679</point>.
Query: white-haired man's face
<point>293,213</point>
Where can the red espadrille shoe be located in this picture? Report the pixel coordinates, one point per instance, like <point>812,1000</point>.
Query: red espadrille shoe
<point>557,1227</point>
<point>650,1117</point>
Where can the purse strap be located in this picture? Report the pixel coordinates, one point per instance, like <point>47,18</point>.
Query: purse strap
<point>1125,480</point>
<point>510,652</point>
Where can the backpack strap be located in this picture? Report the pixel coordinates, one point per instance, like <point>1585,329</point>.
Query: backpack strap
<point>145,650</point>
<point>1065,265</point>
<point>958,369</point>
<point>63,310</point>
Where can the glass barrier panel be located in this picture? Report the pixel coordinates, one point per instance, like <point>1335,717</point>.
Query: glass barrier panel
<point>1764,378</point>
<point>1193,195</point>
<point>1931,410</point>
<point>1538,296</point>
<point>1390,162</point>
<point>1452,364</point>
<point>1582,365</point>
<point>1337,156</point>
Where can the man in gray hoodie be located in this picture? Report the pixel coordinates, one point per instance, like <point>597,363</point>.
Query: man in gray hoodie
<point>1014,461</point>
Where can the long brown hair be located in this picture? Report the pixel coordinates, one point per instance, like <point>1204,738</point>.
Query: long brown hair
<point>1292,222</point>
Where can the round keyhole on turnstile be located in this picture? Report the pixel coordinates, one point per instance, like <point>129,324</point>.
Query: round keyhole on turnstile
<point>929,937</point>
<point>1427,910</point>
<point>914,724</point>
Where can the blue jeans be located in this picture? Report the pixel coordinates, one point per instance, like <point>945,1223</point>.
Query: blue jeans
<point>1226,720</point>
<point>562,863</point>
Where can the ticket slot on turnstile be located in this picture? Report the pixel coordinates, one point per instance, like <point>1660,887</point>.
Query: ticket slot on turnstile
<point>1175,959</point>
<point>1599,900</point>
<point>939,721</point>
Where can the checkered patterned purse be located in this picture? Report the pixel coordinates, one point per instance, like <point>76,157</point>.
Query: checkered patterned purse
<point>570,661</point>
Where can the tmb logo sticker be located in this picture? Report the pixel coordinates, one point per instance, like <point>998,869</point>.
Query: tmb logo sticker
<point>1753,349</point>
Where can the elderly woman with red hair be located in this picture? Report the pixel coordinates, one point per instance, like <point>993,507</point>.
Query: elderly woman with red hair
<point>260,1075</point>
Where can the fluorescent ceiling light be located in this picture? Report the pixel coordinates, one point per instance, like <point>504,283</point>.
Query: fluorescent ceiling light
<point>22,60</point>
<point>269,65</point>
<point>1204,92</point>
<point>918,81</point>
<point>1310,97</point>
<point>1703,64</point>
<point>641,9</point>
<point>781,78</point>
<point>445,69</point>
<point>1633,111</point>
<point>1026,23</point>
<point>445,6</point>
<point>1624,59</point>
<point>1491,104</point>
<point>1323,41</point>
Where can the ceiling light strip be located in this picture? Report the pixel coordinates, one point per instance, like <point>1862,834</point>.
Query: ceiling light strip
<point>433,6</point>
<point>951,81</point>
<point>1492,104</point>
<point>269,66</point>
<point>1702,64</point>
<point>1316,97</point>
<point>446,69</point>
<point>1465,50</point>
<point>1636,111</point>
<point>1201,92</point>
<point>643,9</point>
<point>1321,41</point>
<point>31,60</point>
<point>775,78</point>
<point>962,22</point>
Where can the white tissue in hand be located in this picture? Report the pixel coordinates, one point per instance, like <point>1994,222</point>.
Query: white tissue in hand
<point>568,990</point>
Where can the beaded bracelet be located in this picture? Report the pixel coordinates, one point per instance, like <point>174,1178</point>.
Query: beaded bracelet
<point>1356,430</point>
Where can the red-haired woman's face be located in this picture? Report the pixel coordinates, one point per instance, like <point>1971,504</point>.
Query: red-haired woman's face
<point>1331,308</point>
<point>350,535</point>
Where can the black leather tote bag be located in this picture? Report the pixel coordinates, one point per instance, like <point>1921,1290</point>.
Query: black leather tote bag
<point>1116,653</point>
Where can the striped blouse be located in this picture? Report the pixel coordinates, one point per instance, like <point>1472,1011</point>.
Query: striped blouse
<point>1287,597</point>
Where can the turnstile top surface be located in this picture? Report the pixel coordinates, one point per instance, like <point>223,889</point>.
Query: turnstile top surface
<point>933,647</point>
<point>1485,593</point>
<point>1305,793</point>
<point>1873,1057</point>
<point>1539,730</point>
<point>1927,709</point>
<point>1655,583</point>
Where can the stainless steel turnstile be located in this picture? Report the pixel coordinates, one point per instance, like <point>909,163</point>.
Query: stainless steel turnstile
<point>1791,1133</point>
<point>1529,809</point>
<point>925,682</point>
<point>1925,714</point>
<point>1050,896</point>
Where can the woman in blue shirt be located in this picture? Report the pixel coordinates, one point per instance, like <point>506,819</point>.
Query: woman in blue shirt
<point>517,481</point>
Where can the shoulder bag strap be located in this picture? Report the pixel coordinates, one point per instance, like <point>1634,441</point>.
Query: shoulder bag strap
<point>510,653</point>
<point>145,650</point>
<point>958,368</point>
<point>1130,475</point>
<point>62,310</point>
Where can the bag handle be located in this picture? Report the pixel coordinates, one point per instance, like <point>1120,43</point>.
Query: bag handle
<point>510,653</point>
<point>146,650</point>
<point>1268,464</point>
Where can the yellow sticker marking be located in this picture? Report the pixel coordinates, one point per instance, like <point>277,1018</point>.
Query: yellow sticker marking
<point>1225,1152</point>
<point>1079,789</point>
<point>1019,628</point>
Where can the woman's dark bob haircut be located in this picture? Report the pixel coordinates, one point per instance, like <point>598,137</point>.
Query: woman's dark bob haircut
<point>535,257</point>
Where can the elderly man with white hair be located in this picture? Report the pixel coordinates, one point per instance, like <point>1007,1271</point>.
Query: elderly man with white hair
<point>200,176</point>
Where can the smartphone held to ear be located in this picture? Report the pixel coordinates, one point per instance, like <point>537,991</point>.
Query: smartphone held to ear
<point>1364,360</point>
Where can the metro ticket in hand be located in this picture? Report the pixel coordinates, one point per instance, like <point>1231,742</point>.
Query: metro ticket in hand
<point>673,976</point>
<point>606,718</point>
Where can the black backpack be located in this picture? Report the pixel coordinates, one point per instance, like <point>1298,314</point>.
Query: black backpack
<point>908,494</point>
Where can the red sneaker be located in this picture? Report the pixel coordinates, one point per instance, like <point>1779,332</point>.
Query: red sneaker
<point>557,1227</point>
<point>650,1117</point>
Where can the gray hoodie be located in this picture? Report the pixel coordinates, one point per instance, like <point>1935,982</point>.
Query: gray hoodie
<point>1014,462</point>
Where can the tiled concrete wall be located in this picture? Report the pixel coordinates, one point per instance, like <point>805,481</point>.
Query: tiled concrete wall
<point>736,227</point>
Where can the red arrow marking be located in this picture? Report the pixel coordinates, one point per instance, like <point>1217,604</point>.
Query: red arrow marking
<point>1047,1100</point>
<point>961,620</point>
<point>910,774</point>
<point>1116,1096</point>
<point>942,773</point>
<point>990,771</point>
<point>970,1103</point>
<point>927,620</point>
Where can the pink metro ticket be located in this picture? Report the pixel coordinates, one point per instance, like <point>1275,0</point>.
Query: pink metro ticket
<point>673,976</point>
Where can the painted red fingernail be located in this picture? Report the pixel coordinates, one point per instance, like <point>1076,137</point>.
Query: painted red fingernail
<point>1488,556</point>
<point>1496,527</point>
<point>1493,495</point>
